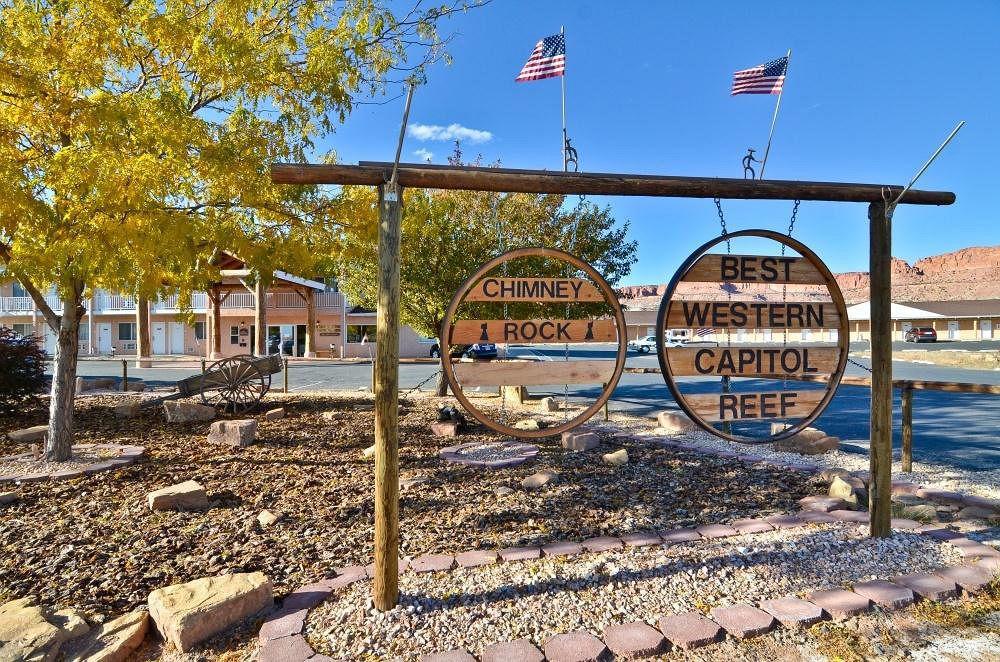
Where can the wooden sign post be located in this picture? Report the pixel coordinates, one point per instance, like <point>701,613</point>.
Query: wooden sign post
<point>482,286</point>
<point>764,361</point>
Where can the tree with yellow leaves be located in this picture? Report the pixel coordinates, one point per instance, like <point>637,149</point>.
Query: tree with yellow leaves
<point>135,138</point>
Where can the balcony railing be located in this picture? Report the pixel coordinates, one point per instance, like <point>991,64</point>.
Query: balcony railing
<point>16,304</point>
<point>105,302</point>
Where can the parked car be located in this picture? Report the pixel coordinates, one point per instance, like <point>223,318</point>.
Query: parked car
<point>643,345</point>
<point>920,334</point>
<point>477,351</point>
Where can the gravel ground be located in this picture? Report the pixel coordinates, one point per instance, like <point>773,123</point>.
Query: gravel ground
<point>471,608</point>
<point>19,465</point>
<point>983,483</point>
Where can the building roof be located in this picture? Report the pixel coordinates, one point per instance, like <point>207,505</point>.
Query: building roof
<point>980,308</point>
<point>897,311</point>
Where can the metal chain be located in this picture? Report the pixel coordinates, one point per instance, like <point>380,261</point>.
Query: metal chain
<point>860,365</point>
<point>417,387</point>
<point>791,223</point>
<point>722,222</point>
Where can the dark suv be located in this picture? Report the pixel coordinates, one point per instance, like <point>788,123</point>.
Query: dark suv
<point>920,334</point>
<point>477,351</point>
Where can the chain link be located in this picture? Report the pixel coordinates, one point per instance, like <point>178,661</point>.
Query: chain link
<point>722,222</point>
<point>860,365</point>
<point>791,223</point>
<point>417,387</point>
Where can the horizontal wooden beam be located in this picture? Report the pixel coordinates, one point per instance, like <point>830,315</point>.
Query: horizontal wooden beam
<point>534,331</point>
<point>415,175</point>
<point>532,373</point>
<point>764,269</point>
<point>779,315</point>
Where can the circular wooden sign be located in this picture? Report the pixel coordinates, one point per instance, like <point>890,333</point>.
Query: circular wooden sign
<point>799,363</point>
<point>483,286</point>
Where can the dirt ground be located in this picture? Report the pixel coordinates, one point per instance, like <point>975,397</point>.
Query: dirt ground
<point>94,545</point>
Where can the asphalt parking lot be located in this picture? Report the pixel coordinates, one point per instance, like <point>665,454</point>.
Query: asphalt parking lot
<point>951,428</point>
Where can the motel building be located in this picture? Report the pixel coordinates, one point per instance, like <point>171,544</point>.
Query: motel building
<point>303,317</point>
<point>953,320</point>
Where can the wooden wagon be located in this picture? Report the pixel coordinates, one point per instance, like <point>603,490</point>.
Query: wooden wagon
<point>236,384</point>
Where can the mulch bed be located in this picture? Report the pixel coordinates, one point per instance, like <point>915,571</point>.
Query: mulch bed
<point>93,544</point>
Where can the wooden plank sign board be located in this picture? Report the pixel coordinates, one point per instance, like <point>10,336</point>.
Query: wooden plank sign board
<point>533,331</point>
<point>534,289</point>
<point>751,360</point>
<point>754,406</point>
<point>752,315</point>
<point>532,373</point>
<point>713,268</point>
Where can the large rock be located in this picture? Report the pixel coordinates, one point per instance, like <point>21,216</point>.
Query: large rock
<point>71,622</point>
<point>528,424</point>
<point>841,489</point>
<point>444,428</point>
<point>7,497</point>
<point>616,459</point>
<point>580,441</point>
<point>672,422</point>
<point>113,641</point>
<point>25,633</point>
<point>540,479</point>
<point>810,441</point>
<point>27,435</point>
<point>548,404</point>
<point>187,412</point>
<point>188,495</point>
<point>274,414</point>
<point>187,614</point>
<point>233,433</point>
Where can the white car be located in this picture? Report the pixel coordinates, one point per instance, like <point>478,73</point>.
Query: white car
<point>643,345</point>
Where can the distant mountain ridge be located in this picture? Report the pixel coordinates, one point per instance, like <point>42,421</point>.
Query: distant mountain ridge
<point>966,274</point>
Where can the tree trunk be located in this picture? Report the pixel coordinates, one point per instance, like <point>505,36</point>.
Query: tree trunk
<point>142,346</point>
<point>442,381</point>
<point>60,440</point>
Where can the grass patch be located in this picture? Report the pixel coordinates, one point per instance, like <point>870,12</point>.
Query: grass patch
<point>978,612</point>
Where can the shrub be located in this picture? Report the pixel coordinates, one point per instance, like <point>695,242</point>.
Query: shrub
<point>22,369</point>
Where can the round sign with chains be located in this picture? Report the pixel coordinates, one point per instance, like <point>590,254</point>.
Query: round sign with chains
<point>520,321</point>
<point>753,347</point>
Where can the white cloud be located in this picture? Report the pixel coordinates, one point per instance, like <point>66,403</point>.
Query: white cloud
<point>423,154</point>
<point>450,132</point>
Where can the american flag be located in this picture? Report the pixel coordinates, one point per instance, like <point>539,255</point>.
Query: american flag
<point>765,78</point>
<point>701,333</point>
<point>547,60</point>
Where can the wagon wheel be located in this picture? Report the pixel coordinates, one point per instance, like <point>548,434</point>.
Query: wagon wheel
<point>235,384</point>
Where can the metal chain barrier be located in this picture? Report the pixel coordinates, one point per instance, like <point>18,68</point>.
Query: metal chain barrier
<point>859,365</point>
<point>417,387</point>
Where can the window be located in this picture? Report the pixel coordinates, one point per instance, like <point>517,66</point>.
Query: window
<point>199,330</point>
<point>357,332</point>
<point>19,290</point>
<point>84,334</point>
<point>23,329</point>
<point>234,335</point>
<point>126,331</point>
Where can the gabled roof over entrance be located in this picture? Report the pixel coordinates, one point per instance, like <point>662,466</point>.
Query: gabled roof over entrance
<point>232,267</point>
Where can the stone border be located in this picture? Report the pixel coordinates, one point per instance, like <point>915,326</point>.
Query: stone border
<point>128,455</point>
<point>282,637</point>
<point>522,452</point>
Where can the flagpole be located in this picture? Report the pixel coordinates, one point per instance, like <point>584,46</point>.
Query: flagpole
<point>562,32</point>
<point>774,119</point>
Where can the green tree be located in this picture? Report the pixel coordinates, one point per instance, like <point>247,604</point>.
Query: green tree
<point>135,138</point>
<point>447,235</point>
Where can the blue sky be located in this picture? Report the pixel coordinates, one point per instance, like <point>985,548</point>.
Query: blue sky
<point>872,90</point>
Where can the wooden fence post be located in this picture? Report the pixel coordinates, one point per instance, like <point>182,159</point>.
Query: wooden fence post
<point>385,585</point>
<point>907,455</point>
<point>880,298</point>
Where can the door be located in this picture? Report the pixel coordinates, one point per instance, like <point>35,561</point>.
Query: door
<point>176,337</point>
<point>953,330</point>
<point>50,341</point>
<point>159,338</point>
<point>986,329</point>
<point>300,340</point>
<point>906,328</point>
<point>103,338</point>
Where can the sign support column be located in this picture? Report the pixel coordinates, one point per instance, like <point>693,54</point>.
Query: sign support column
<point>880,298</point>
<point>385,585</point>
